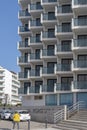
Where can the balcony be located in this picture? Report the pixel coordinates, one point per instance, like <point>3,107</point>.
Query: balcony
<point>64,1</point>
<point>34,74</point>
<point>48,72</point>
<point>64,69</point>
<point>48,54</point>
<point>46,4</point>
<point>63,14</point>
<point>63,50</point>
<point>22,76</point>
<point>23,45</point>
<point>35,58</point>
<point>79,65</point>
<point>35,25</point>
<point>79,45</point>
<point>23,31</point>
<point>24,3</point>
<point>63,32</point>
<point>79,26</point>
<point>35,41</point>
<point>48,19</point>
<point>63,86</point>
<point>48,37</point>
<point>23,15</point>
<point>80,85</point>
<point>79,6</point>
<point>22,60</point>
<point>35,9</point>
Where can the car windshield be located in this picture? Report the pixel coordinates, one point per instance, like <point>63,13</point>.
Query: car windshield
<point>7,112</point>
<point>23,112</point>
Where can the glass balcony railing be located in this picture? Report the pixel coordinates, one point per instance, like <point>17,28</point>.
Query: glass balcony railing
<point>48,34</point>
<point>63,86</point>
<point>34,72</point>
<point>60,9</point>
<point>23,13</point>
<point>23,29</point>
<point>80,2</point>
<point>48,70</point>
<point>80,42</point>
<point>34,56</point>
<point>23,44</point>
<point>80,22</point>
<point>23,59</point>
<point>80,63</point>
<point>63,29</point>
<point>48,88</point>
<point>35,23</point>
<point>35,39</point>
<point>64,48</point>
<point>48,52</point>
<point>49,17</point>
<point>47,1</point>
<point>21,90</point>
<point>63,67</point>
<point>23,75</point>
<point>35,7</point>
<point>80,84</point>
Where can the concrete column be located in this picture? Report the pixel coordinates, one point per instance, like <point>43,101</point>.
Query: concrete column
<point>65,112</point>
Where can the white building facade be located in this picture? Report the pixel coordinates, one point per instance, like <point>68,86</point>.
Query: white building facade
<point>9,86</point>
<point>53,48</point>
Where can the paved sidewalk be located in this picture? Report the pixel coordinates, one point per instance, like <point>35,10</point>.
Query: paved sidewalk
<point>7,125</point>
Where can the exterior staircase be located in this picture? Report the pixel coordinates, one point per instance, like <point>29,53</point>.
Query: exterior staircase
<point>76,122</point>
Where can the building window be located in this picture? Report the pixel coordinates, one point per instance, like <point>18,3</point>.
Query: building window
<point>38,97</point>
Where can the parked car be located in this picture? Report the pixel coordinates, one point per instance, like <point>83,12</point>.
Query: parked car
<point>24,115</point>
<point>5,114</point>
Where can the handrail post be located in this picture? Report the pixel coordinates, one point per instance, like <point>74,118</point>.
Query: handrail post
<point>65,112</point>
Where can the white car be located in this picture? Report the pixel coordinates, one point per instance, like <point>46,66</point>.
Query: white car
<point>5,114</point>
<point>24,115</point>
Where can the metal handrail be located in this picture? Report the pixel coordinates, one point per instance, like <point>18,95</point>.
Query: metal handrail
<point>59,116</point>
<point>65,114</point>
<point>75,108</point>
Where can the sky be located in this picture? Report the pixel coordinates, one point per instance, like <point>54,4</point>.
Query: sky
<point>9,34</point>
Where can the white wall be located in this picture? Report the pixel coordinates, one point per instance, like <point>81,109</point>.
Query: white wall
<point>29,101</point>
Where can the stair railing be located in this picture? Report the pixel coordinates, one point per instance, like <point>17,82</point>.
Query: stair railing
<point>75,108</point>
<point>59,116</point>
<point>67,112</point>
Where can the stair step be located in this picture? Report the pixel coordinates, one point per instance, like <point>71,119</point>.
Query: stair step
<point>73,126</point>
<point>65,128</point>
<point>74,123</point>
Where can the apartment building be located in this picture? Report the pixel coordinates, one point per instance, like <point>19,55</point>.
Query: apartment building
<point>9,85</point>
<point>53,52</point>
